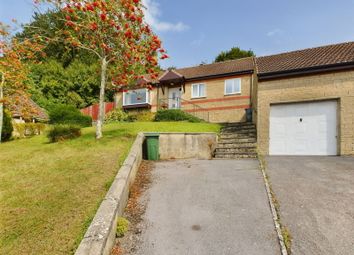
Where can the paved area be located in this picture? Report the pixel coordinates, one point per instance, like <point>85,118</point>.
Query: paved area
<point>316,196</point>
<point>208,207</point>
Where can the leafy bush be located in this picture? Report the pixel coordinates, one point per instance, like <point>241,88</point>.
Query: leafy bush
<point>175,115</point>
<point>7,127</point>
<point>122,226</point>
<point>143,116</point>
<point>116,115</point>
<point>28,129</point>
<point>63,132</point>
<point>67,114</point>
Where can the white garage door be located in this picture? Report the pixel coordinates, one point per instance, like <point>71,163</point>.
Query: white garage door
<point>303,129</point>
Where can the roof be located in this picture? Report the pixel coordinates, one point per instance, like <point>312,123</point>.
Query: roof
<point>312,60</point>
<point>35,110</point>
<point>341,54</point>
<point>170,75</point>
<point>243,65</point>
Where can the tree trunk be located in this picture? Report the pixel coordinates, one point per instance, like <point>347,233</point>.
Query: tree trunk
<point>101,103</point>
<point>1,110</point>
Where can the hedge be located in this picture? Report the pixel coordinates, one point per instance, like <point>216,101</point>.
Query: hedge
<point>175,115</point>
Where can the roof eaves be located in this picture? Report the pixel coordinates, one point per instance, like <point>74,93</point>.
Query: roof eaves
<point>305,71</point>
<point>250,71</point>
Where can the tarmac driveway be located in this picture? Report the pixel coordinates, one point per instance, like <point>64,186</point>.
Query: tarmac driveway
<point>207,207</point>
<point>316,196</point>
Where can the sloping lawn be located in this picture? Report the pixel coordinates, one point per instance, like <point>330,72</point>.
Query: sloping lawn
<point>50,192</point>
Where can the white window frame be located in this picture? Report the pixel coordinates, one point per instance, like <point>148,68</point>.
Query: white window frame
<point>130,91</point>
<point>199,96</point>
<point>234,92</point>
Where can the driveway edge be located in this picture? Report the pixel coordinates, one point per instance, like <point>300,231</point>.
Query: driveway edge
<point>100,236</point>
<point>274,211</point>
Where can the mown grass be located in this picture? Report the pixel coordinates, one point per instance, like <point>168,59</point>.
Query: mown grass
<point>49,192</point>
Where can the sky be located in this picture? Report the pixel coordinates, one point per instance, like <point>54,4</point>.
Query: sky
<point>196,31</point>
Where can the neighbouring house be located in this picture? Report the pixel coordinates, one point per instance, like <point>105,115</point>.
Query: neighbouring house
<point>302,101</point>
<point>36,114</point>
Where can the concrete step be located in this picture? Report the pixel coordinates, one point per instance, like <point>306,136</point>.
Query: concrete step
<point>235,155</point>
<point>236,145</point>
<point>238,140</point>
<point>236,150</point>
<point>238,124</point>
<point>235,129</point>
<point>238,135</point>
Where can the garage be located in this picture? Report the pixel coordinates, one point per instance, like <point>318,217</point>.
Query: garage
<point>303,128</point>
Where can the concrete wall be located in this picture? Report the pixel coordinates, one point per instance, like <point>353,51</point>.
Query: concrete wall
<point>100,236</point>
<point>338,86</point>
<point>187,145</point>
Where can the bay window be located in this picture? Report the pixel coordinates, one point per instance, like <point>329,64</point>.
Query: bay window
<point>136,97</point>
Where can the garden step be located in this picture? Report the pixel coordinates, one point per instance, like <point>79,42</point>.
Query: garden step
<point>236,150</point>
<point>237,135</point>
<point>238,140</point>
<point>247,131</point>
<point>238,124</point>
<point>236,129</point>
<point>237,145</point>
<point>234,155</point>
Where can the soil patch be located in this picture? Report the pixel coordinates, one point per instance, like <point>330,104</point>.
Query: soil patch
<point>134,211</point>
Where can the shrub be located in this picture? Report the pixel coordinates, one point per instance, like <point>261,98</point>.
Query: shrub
<point>143,116</point>
<point>67,114</point>
<point>116,115</point>
<point>7,127</point>
<point>28,129</point>
<point>175,115</point>
<point>63,132</point>
<point>122,226</point>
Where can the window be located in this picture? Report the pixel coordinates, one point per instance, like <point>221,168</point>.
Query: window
<point>133,97</point>
<point>233,86</point>
<point>198,90</point>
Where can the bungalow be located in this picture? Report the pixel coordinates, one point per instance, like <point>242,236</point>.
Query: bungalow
<point>302,102</point>
<point>20,115</point>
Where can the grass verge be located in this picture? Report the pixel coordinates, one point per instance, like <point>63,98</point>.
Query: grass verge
<point>49,192</point>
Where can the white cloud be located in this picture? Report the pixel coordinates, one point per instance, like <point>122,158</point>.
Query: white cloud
<point>274,32</point>
<point>152,14</point>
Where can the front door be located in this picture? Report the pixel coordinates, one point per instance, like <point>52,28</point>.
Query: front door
<point>174,98</point>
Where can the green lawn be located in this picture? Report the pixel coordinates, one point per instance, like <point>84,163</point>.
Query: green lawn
<point>49,192</point>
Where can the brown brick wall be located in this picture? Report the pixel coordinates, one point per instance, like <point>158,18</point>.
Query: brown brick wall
<point>221,108</point>
<point>339,86</point>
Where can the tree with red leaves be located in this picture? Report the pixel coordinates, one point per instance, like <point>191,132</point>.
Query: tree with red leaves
<point>114,31</point>
<point>14,56</point>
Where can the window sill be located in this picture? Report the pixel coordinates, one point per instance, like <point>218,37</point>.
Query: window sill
<point>233,94</point>
<point>194,98</point>
<point>133,106</point>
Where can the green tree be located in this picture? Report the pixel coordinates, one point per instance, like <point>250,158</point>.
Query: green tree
<point>50,23</point>
<point>76,84</point>
<point>67,75</point>
<point>116,33</point>
<point>234,53</point>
